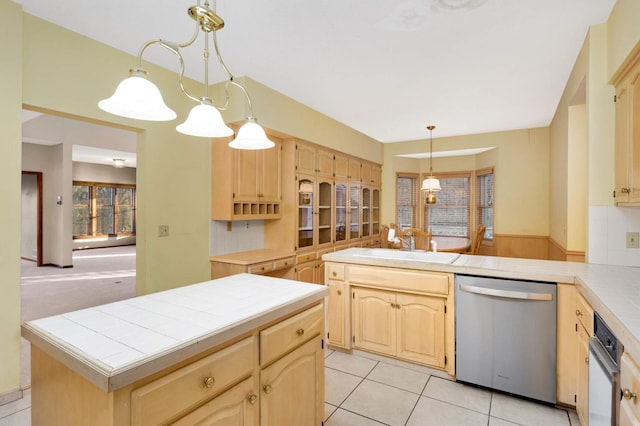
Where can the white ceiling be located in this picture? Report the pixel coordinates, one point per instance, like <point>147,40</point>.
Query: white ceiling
<point>386,68</point>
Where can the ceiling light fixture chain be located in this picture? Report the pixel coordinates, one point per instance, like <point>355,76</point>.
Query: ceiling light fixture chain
<point>137,97</point>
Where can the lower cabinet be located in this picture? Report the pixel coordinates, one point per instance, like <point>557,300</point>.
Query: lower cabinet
<point>292,391</point>
<point>582,393</point>
<point>406,326</point>
<point>336,313</point>
<point>630,389</point>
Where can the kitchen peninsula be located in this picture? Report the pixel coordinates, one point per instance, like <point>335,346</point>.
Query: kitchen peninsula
<point>611,291</point>
<point>238,347</point>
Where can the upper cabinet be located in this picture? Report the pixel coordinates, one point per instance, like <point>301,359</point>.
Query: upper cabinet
<point>246,184</point>
<point>311,160</point>
<point>627,154</point>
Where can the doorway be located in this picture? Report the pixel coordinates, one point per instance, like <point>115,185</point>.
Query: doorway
<point>31,225</point>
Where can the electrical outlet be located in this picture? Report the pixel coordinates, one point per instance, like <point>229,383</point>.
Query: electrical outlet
<point>163,230</point>
<point>633,240</point>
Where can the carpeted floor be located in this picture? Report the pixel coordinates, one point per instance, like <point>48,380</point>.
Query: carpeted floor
<point>98,276</point>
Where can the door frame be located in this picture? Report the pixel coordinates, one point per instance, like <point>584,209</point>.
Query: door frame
<point>38,215</point>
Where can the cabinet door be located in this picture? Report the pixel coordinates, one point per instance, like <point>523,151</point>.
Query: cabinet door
<point>376,175</point>
<point>306,207</point>
<point>324,163</point>
<point>582,397</point>
<point>340,166</point>
<point>305,159</point>
<point>236,407</point>
<point>247,170</point>
<point>421,329</point>
<point>341,212</point>
<point>354,169</point>
<point>374,320</point>
<point>622,144</point>
<point>305,272</point>
<point>324,212</point>
<point>375,212</point>
<point>270,173</point>
<point>365,173</point>
<point>634,115</point>
<point>336,313</point>
<point>366,212</point>
<point>354,212</point>
<point>292,388</point>
<point>630,386</point>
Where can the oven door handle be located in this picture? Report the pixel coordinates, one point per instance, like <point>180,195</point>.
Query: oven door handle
<point>507,294</point>
<point>596,348</point>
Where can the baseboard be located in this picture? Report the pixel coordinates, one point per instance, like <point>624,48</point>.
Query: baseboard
<point>11,396</point>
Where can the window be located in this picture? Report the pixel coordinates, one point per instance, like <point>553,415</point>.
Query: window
<point>103,209</point>
<point>450,214</point>
<point>485,201</point>
<point>407,200</point>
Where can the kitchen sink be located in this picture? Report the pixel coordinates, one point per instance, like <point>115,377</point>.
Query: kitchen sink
<point>415,256</point>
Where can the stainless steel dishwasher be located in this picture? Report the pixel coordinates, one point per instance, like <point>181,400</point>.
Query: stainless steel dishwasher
<point>506,335</point>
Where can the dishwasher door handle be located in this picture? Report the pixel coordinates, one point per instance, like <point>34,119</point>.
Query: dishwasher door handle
<point>508,294</point>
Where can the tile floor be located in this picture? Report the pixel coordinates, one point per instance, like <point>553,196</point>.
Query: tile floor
<point>365,389</point>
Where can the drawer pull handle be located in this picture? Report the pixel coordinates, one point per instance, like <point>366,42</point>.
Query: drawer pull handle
<point>208,382</point>
<point>628,394</point>
<point>267,388</point>
<point>300,331</point>
<point>252,399</point>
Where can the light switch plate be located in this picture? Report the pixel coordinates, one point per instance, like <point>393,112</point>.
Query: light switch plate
<point>633,240</point>
<point>163,231</point>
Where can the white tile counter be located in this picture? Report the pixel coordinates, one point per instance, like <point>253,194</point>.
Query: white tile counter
<point>613,291</point>
<point>116,344</point>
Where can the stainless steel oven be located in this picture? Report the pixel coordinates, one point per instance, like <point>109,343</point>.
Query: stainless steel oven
<point>604,375</point>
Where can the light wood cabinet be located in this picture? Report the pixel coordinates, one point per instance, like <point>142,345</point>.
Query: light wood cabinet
<point>406,326</point>
<point>630,388</point>
<point>312,160</point>
<point>340,166</point>
<point>627,146</point>
<point>584,328</point>
<point>274,263</point>
<point>246,184</point>
<point>355,164</point>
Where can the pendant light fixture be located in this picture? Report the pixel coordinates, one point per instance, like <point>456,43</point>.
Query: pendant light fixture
<point>431,184</point>
<point>137,97</point>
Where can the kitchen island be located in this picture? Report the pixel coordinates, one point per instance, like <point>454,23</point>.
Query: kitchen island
<point>380,276</point>
<point>238,347</point>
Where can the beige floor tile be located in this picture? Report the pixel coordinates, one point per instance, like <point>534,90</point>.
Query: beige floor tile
<point>526,412</point>
<point>403,364</point>
<point>464,396</point>
<point>430,412</point>
<point>338,385</point>
<point>494,421</point>
<point>21,418</point>
<point>351,364</point>
<point>573,418</point>
<point>345,418</point>
<point>380,402</point>
<point>16,406</point>
<point>328,410</point>
<point>399,377</point>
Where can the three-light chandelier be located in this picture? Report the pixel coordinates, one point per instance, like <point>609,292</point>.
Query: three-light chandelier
<point>137,97</point>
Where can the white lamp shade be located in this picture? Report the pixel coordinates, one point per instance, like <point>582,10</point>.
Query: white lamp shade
<point>251,136</point>
<point>431,184</point>
<point>205,121</point>
<point>306,187</point>
<point>136,97</point>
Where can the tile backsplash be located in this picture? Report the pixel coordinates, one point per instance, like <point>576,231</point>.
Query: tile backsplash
<point>244,235</point>
<point>608,226</point>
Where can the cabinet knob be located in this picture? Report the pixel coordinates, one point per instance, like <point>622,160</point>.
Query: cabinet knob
<point>586,360</point>
<point>208,382</point>
<point>267,388</point>
<point>252,399</point>
<point>339,292</point>
<point>334,273</point>
<point>628,394</point>
<point>300,331</point>
<point>578,313</point>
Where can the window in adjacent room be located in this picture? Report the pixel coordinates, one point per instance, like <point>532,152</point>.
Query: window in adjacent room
<point>103,209</point>
<point>450,215</point>
<point>407,200</point>
<point>485,201</point>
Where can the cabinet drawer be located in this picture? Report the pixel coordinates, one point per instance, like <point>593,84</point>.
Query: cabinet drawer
<point>421,282</point>
<point>306,257</point>
<point>284,263</point>
<point>630,379</point>
<point>584,311</point>
<point>188,387</point>
<point>335,271</point>
<point>287,335</point>
<point>261,268</point>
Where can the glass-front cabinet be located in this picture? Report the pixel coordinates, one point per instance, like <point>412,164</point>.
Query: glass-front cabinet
<point>366,212</point>
<point>375,211</point>
<point>306,189</point>
<point>341,212</point>
<point>354,211</point>
<point>324,209</point>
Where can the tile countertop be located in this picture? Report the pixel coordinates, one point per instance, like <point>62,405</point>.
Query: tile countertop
<point>613,291</point>
<point>116,344</point>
